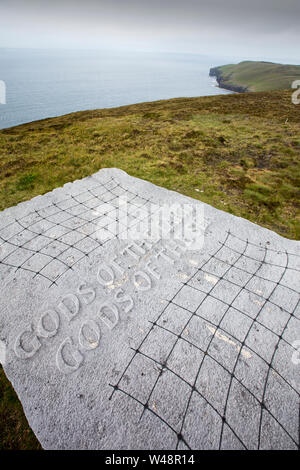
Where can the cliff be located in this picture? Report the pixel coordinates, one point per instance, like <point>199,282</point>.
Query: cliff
<point>255,76</point>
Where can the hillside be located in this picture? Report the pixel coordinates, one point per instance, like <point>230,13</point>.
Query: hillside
<point>256,76</point>
<point>239,152</point>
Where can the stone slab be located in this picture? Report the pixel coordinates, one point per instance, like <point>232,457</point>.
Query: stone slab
<point>114,343</point>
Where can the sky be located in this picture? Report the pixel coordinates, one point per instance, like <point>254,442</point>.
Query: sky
<point>254,29</point>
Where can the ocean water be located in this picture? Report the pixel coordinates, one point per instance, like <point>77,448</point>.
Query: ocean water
<point>47,83</point>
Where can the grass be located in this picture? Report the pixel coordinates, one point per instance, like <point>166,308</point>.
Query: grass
<point>258,76</point>
<point>15,434</point>
<point>239,153</point>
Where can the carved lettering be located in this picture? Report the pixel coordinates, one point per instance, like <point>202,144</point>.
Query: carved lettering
<point>88,293</point>
<point>67,348</point>
<point>91,339</point>
<point>44,332</point>
<point>152,270</point>
<point>107,310</point>
<point>33,344</point>
<point>120,297</point>
<point>142,286</point>
<point>109,273</point>
<point>69,306</point>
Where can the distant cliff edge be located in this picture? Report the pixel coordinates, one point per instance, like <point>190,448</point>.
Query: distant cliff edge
<point>255,76</point>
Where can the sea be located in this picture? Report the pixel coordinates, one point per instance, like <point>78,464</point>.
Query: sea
<point>39,83</point>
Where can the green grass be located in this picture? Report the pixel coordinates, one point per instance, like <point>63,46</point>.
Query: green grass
<point>258,76</point>
<point>241,150</point>
<point>26,182</point>
<point>239,153</point>
<point>15,434</point>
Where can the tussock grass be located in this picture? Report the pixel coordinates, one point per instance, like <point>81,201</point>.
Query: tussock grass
<point>241,150</point>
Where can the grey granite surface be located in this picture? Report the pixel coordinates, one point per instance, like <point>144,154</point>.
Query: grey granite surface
<point>115,343</point>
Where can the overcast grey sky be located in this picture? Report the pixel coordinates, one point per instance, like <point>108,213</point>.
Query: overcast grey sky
<point>263,29</point>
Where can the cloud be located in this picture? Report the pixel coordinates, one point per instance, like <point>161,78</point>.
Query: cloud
<point>193,25</point>
<point>266,15</point>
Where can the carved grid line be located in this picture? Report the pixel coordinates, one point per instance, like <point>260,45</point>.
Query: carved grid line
<point>55,225</point>
<point>243,343</point>
<point>164,366</point>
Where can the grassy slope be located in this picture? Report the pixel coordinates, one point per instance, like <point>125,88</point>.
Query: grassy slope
<point>259,76</point>
<point>241,150</point>
<point>239,153</point>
